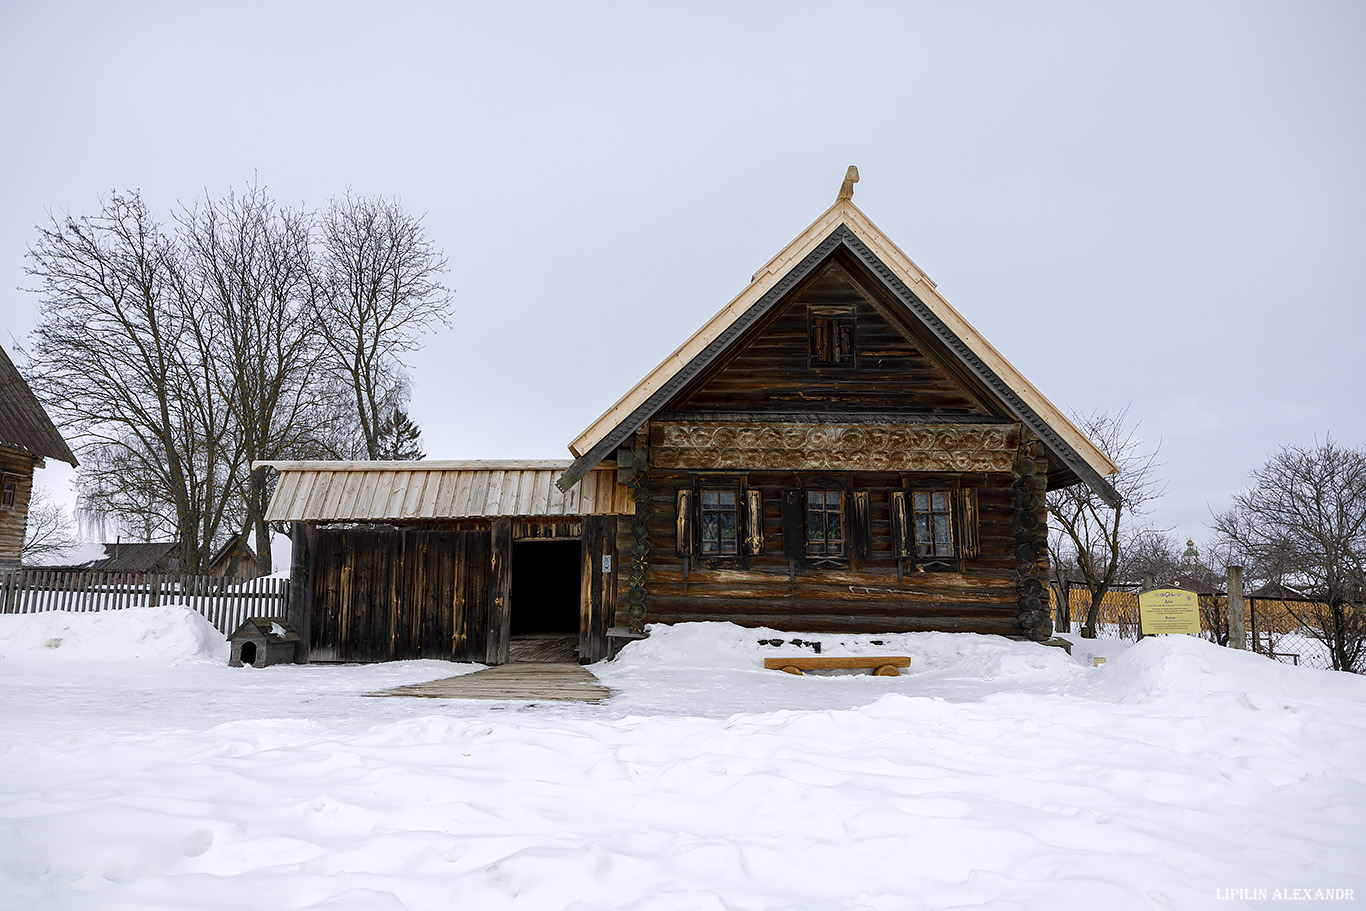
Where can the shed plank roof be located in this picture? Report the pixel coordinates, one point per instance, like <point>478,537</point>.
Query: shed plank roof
<point>402,491</point>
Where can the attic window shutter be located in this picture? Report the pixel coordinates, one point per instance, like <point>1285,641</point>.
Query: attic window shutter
<point>902,544</point>
<point>754,522</point>
<point>685,521</point>
<point>861,523</point>
<point>969,546</point>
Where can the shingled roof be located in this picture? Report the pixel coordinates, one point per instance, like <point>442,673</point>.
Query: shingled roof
<point>24,425</point>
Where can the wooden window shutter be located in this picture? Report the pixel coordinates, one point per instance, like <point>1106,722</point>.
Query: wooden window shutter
<point>903,543</point>
<point>968,538</point>
<point>754,522</point>
<point>861,523</point>
<point>685,521</point>
<point>794,537</point>
<point>842,341</point>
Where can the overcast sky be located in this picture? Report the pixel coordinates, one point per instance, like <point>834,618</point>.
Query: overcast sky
<point>1159,205</point>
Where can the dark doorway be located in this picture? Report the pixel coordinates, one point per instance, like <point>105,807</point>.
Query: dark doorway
<point>545,588</point>
<point>249,653</point>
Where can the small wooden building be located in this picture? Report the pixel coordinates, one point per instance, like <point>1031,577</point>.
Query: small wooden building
<point>164,557</point>
<point>836,450</point>
<point>448,560</point>
<point>27,438</point>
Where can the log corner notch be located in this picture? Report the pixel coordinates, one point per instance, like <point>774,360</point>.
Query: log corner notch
<point>1029,521</point>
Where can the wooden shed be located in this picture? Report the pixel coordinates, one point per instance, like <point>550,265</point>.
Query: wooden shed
<point>27,438</point>
<point>836,450</point>
<point>452,560</point>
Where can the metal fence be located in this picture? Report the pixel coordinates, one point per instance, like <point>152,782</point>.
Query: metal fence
<point>223,603</point>
<point>1280,628</point>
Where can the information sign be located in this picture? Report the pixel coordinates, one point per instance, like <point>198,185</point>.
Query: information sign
<point>1169,610</point>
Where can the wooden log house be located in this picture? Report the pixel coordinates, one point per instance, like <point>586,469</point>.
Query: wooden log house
<point>836,450</point>
<point>27,438</point>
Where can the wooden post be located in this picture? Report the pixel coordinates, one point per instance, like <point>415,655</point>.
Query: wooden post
<point>299,610</point>
<point>597,602</point>
<point>1147,587</point>
<point>1064,601</point>
<point>1237,622</point>
<point>590,588</point>
<point>500,591</point>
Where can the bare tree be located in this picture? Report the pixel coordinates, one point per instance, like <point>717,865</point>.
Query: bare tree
<point>1150,554</point>
<point>123,352</point>
<point>254,263</point>
<point>381,287</point>
<point>1303,521</point>
<point>252,332</point>
<point>50,533</point>
<point>1088,534</point>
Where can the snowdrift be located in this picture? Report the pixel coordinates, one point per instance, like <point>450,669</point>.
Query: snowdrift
<point>995,774</point>
<point>163,635</point>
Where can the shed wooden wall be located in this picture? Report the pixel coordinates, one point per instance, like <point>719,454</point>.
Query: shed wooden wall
<point>13,521</point>
<point>386,593</point>
<point>380,592</point>
<point>866,595</point>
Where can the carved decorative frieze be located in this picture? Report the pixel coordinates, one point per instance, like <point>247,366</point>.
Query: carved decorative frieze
<point>856,447</point>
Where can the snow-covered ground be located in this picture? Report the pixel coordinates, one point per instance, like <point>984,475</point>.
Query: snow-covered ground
<point>140,772</point>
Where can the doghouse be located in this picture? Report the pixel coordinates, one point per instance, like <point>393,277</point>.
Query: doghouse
<point>261,641</point>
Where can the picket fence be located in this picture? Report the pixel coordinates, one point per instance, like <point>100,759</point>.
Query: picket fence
<point>224,604</point>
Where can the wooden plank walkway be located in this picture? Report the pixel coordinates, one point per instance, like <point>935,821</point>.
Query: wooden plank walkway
<point>519,681</point>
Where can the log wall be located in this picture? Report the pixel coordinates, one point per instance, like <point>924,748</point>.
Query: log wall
<point>13,520</point>
<point>775,372</point>
<point>877,593</point>
<point>386,593</point>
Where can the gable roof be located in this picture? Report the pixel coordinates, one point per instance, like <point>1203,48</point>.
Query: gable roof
<point>135,556</point>
<point>24,425</point>
<point>224,553</point>
<point>845,226</point>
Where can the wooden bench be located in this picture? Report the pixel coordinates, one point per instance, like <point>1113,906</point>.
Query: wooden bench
<point>880,665</point>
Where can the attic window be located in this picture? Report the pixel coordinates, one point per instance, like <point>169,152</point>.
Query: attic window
<point>832,336</point>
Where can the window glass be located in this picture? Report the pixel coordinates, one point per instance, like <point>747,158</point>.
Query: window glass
<point>825,522</point>
<point>720,519</point>
<point>933,528</point>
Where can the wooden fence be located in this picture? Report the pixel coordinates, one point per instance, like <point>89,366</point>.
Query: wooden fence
<point>223,603</point>
<point>1280,628</point>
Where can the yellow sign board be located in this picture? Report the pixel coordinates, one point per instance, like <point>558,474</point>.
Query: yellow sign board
<point>1169,610</point>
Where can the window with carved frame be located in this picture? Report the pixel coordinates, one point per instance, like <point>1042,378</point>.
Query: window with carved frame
<point>721,522</point>
<point>936,527</point>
